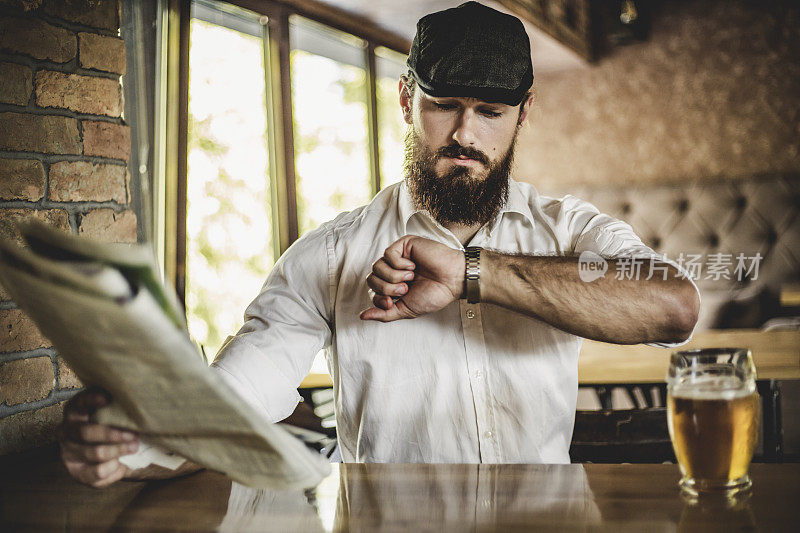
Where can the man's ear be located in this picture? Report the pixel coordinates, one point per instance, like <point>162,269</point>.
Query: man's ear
<point>526,108</point>
<point>405,101</point>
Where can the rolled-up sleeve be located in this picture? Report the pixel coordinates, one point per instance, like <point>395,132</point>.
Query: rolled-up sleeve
<point>286,325</point>
<point>612,238</point>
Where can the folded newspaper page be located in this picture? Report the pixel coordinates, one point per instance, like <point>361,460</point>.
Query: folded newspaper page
<point>109,317</point>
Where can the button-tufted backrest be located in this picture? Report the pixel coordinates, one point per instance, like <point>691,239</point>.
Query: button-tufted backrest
<point>749,217</point>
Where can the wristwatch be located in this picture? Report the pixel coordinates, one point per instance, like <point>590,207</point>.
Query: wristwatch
<point>473,274</point>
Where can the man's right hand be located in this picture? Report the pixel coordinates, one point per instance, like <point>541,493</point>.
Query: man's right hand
<point>91,451</point>
<point>437,272</point>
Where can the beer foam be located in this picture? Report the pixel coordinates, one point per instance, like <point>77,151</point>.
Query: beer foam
<point>711,388</point>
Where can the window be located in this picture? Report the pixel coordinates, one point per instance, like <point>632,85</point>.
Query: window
<point>257,84</point>
<point>228,216</point>
<point>329,112</point>
<point>391,126</point>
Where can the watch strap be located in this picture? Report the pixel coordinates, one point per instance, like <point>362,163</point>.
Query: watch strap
<point>473,274</point>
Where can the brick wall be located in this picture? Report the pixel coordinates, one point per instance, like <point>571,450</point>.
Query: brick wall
<point>64,149</point>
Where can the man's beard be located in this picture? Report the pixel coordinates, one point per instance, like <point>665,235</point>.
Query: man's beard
<point>457,197</point>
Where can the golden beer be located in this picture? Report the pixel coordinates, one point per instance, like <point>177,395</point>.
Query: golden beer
<point>714,416</point>
<point>714,438</point>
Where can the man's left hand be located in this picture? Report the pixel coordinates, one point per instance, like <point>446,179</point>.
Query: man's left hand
<point>414,277</point>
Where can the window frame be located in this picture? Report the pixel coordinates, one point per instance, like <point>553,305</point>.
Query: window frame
<point>173,93</point>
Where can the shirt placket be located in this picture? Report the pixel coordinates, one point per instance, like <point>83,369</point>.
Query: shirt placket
<point>475,348</point>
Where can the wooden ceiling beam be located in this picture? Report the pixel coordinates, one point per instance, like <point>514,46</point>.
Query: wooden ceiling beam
<point>573,23</point>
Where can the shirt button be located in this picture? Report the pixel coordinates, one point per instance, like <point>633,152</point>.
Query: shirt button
<point>470,313</point>
<point>488,434</point>
<point>478,375</point>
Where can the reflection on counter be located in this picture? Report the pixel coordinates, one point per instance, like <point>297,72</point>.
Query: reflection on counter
<point>456,497</point>
<point>36,493</point>
<point>720,513</point>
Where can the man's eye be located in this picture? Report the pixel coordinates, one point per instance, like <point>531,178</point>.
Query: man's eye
<point>443,107</point>
<point>490,114</point>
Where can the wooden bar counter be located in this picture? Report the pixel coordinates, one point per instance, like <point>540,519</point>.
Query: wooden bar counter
<point>36,494</point>
<point>776,355</point>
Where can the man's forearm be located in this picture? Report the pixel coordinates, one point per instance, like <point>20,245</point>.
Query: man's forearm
<point>623,311</point>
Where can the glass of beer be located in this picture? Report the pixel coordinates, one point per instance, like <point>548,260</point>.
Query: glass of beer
<point>714,414</point>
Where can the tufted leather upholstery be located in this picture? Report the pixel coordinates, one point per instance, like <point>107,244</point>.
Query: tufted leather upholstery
<point>759,215</point>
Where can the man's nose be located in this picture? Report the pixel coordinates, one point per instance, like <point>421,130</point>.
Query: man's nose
<point>464,131</point>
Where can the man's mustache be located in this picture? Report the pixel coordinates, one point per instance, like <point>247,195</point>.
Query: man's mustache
<point>456,150</point>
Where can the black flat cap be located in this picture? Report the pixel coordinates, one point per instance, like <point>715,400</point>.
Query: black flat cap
<point>472,50</point>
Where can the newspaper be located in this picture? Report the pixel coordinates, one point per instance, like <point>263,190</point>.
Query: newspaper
<point>106,312</point>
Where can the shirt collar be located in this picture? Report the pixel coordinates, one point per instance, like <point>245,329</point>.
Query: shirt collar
<point>518,202</point>
<point>515,203</point>
<point>406,205</point>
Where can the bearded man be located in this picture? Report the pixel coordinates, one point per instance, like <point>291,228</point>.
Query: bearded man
<point>486,267</point>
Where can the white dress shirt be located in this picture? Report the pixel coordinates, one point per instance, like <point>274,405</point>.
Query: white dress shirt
<point>469,383</point>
